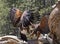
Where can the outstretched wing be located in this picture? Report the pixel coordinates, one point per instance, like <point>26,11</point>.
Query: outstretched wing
<point>26,18</point>
<point>15,15</point>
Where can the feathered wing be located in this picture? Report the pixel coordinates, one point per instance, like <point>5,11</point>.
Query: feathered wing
<point>15,15</point>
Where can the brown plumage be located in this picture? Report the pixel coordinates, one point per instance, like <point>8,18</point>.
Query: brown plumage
<point>9,39</point>
<point>18,13</point>
<point>54,23</point>
<point>43,22</point>
<point>15,15</point>
<point>42,27</point>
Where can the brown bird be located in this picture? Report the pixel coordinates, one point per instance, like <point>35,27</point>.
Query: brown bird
<point>54,23</point>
